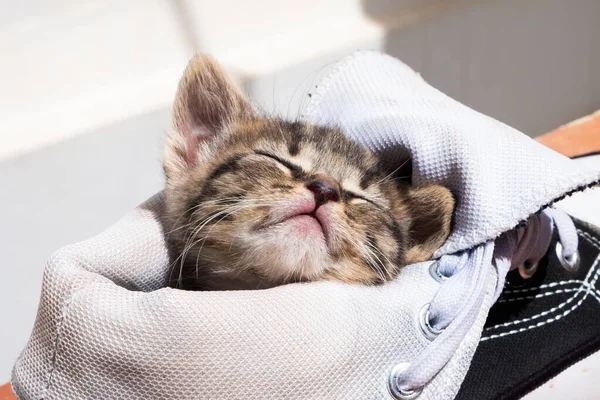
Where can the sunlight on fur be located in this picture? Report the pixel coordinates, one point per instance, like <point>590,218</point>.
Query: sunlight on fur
<point>255,201</point>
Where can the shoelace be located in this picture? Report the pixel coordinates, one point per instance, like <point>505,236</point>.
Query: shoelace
<point>454,308</point>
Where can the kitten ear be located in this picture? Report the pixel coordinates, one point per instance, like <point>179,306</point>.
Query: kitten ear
<point>206,102</point>
<point>431,209</point>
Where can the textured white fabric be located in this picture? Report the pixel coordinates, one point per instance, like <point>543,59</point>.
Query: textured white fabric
<point>107,328</point>
<point>498,175</point>
<point>586,205</point>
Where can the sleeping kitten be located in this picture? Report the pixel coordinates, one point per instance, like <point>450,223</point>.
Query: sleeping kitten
<point>254,202</point>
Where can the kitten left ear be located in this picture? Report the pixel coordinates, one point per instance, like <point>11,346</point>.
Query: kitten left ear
<point>431,209</point>
<point>206,102</point>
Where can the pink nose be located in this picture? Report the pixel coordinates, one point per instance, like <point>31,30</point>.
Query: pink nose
<point>324,191</point>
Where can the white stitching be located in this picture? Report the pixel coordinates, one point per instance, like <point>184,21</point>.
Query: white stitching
<point>592,289</point>
<point>556,318</point>
<point>558,291</point>
<point>545,286</point>
<point>593,241</point>
<point>553,309</point>
<point>537,296</point>
<point>589,288</point>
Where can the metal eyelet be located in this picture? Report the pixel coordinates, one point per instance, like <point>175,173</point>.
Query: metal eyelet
<point>571,264</point>
<point>396,392</point>
<point>527,269</point>
<point>435,272</point>
<point>429,331</point>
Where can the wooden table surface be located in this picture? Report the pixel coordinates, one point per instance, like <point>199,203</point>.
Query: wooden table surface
<point>6,392</point>
<point>579,137</point>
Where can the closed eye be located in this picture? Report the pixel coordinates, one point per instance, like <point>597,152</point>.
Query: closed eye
<point>352,195</point>
<point>295,169</point>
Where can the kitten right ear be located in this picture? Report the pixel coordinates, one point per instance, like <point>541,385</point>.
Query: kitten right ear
<point>431,209</point>
<point>206,102</point>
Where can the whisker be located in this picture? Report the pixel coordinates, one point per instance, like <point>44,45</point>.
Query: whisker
<point>377,251</point>
<point>212,227</point>
<point>191,242</point>
<point>368,252</point>
<point>394,171</point>
<point>188,210</point>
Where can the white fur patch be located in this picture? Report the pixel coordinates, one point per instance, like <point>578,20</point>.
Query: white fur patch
<point>304,159</point>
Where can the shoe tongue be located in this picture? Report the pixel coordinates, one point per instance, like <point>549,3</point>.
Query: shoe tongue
<point>499,176</point>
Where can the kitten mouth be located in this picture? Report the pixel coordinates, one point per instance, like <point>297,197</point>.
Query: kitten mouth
<point>307,222</point>
<point>313,215</point>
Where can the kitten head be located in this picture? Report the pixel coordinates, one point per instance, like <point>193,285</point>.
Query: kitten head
<point>255,201</point>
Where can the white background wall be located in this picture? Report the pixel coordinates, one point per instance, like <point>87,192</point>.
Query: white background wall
<point>86,90</point>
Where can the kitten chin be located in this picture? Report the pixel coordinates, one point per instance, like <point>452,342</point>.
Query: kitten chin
<point>253,201</point>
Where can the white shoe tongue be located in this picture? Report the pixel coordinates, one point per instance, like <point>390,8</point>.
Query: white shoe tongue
<point>498,175</point>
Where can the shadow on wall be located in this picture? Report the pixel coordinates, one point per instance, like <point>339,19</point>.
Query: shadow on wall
<point>62,194</point>
<point>513,60</point>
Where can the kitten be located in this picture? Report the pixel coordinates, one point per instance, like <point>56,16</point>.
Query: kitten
<point>254,202</point>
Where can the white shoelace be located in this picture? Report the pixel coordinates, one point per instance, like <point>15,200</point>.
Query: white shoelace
<point>453,310</point>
